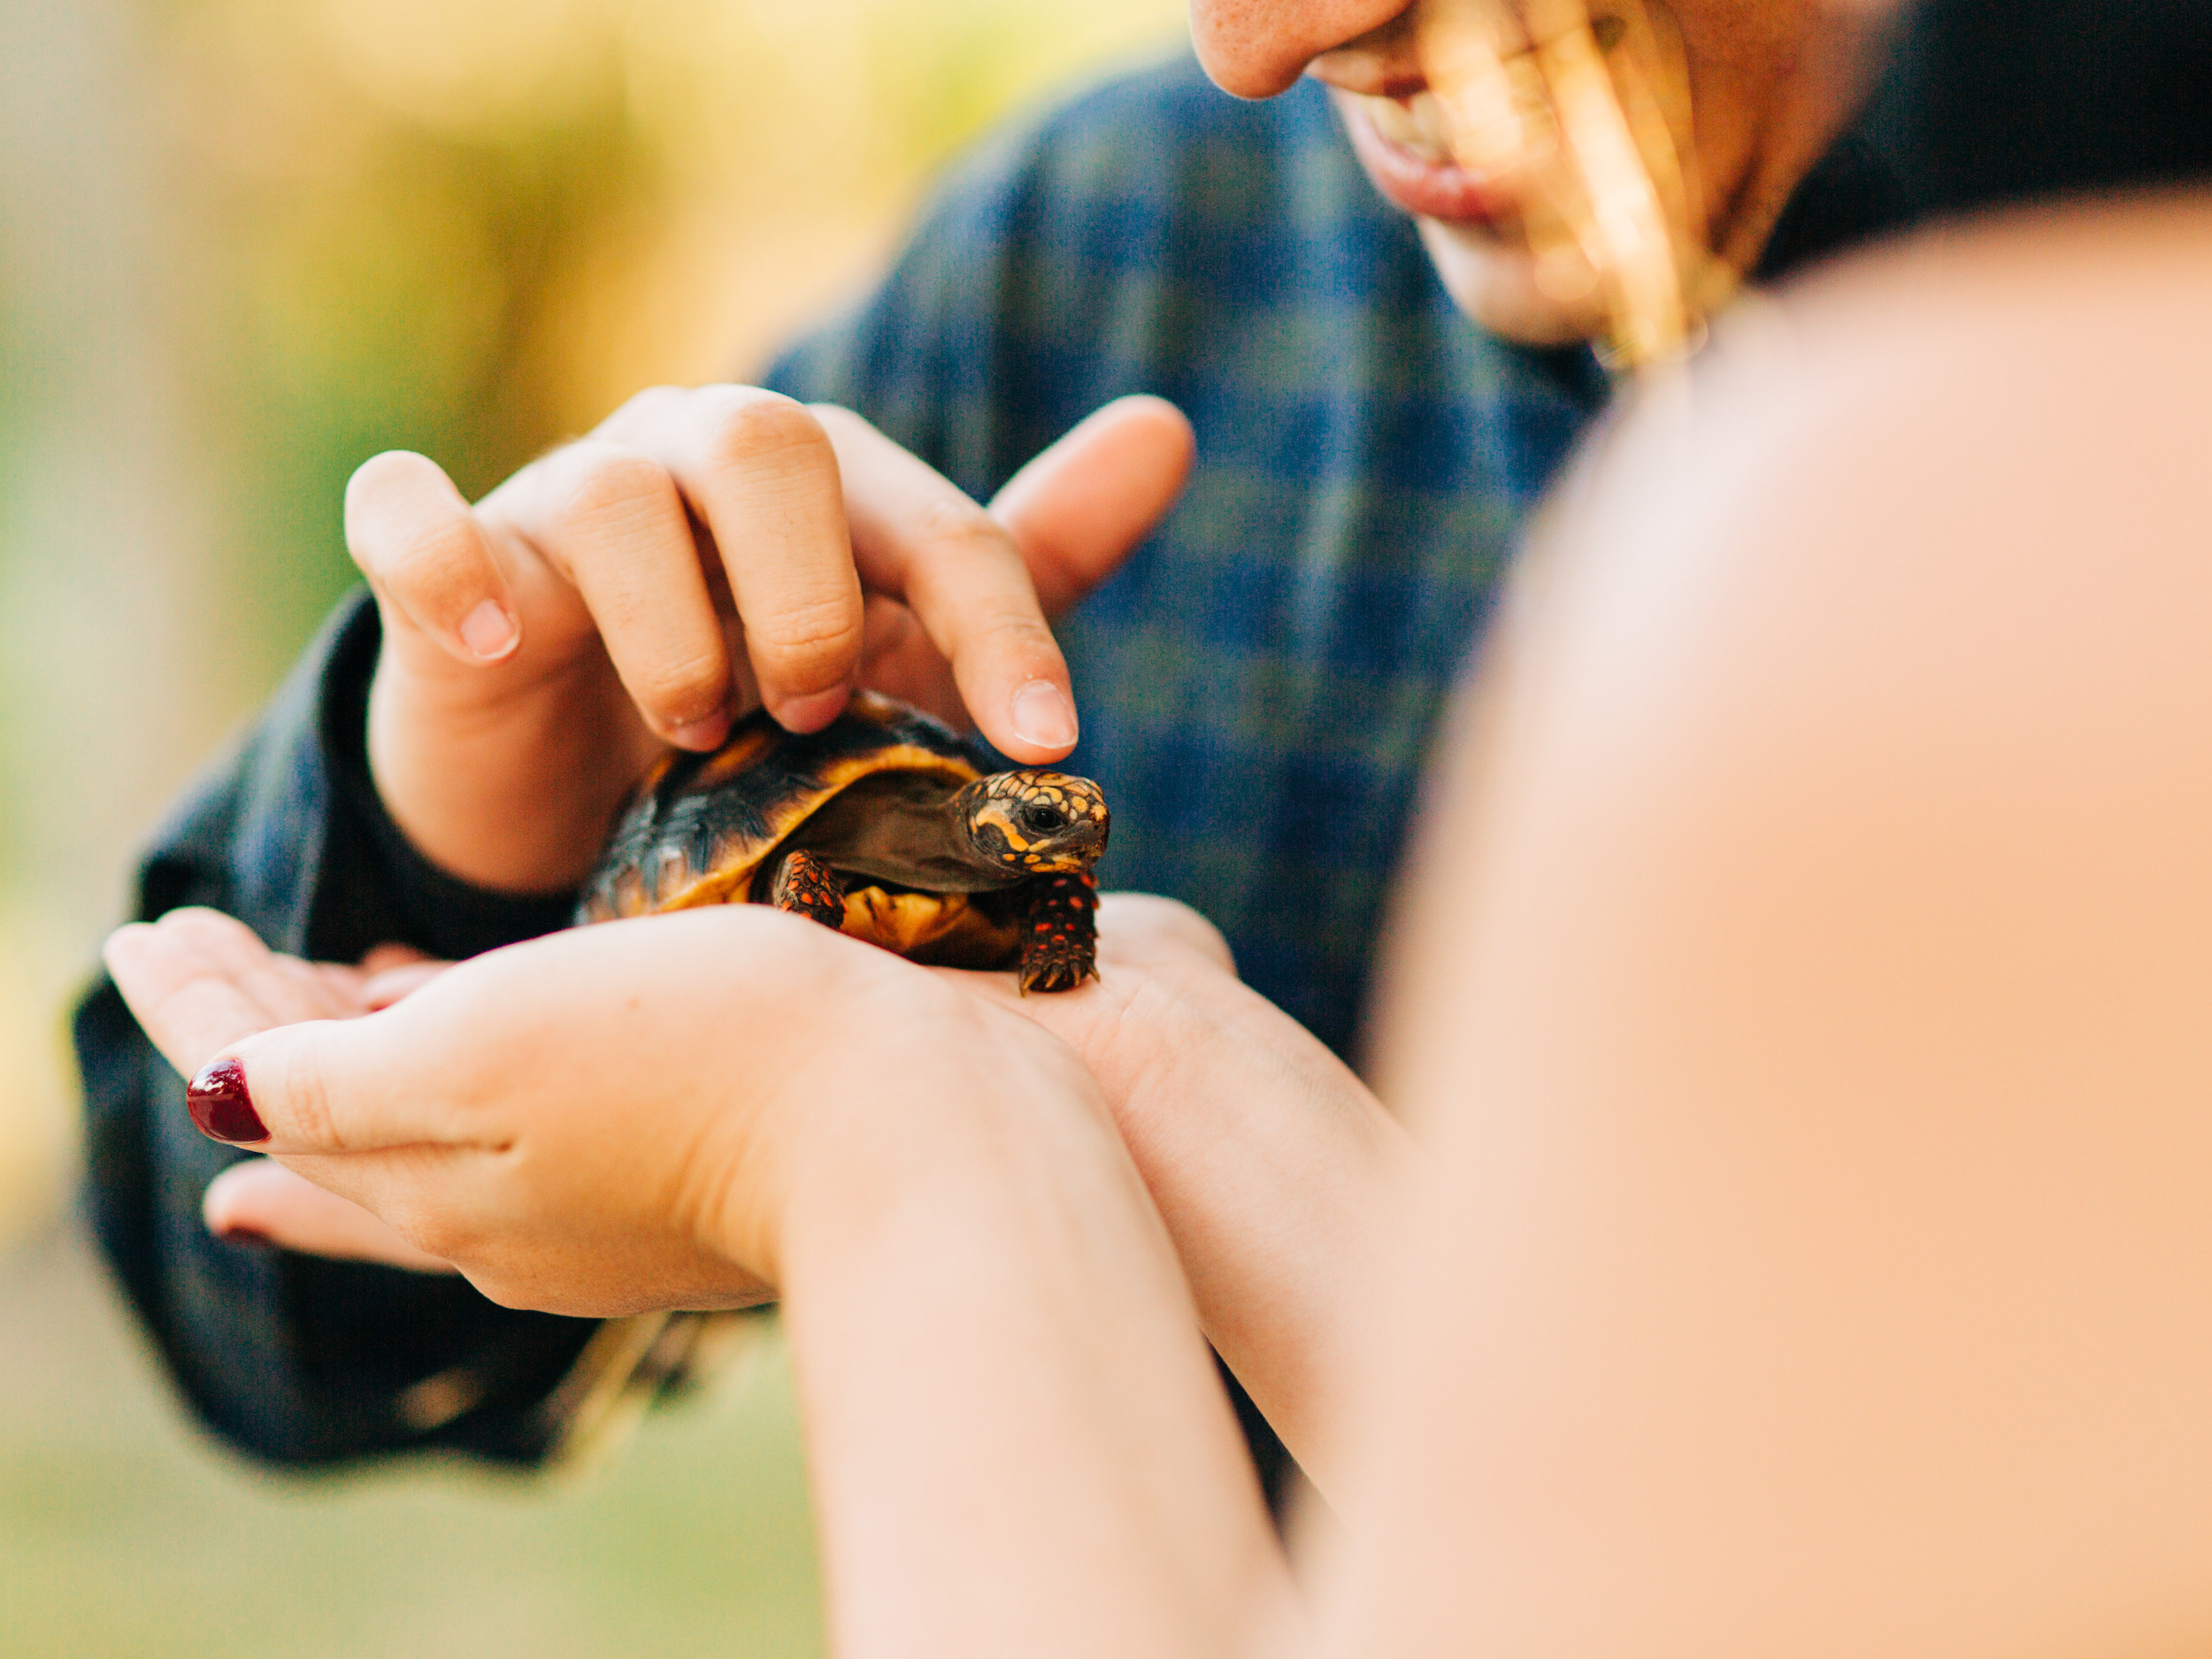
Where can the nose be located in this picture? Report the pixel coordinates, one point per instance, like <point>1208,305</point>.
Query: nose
<point>1257,48</point>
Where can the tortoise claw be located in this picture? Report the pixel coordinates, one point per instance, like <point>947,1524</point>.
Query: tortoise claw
<point>1054,977</point>
<point>1060,935</point>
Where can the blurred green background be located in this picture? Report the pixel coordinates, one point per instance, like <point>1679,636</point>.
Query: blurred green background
<point>244,244</point>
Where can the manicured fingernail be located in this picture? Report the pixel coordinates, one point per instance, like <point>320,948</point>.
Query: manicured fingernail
<point>1043,716</point>
<point>811,714</point>
<point>252,1236</point>
<point>490,632</point>
<point>221,1107</point>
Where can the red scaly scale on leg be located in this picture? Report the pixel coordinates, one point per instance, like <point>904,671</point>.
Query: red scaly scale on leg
<point>1060,934</point>
<point>806,885</point>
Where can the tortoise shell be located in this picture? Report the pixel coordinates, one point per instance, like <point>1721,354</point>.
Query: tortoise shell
<point>874,793</point>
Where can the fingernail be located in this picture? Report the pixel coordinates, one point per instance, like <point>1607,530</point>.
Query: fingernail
<point>1043,716</point>
<point>252,1236</point>
<point>811,714</point>
<point>490,632</point>
<point>707,734</point>
<point>221,1107</point>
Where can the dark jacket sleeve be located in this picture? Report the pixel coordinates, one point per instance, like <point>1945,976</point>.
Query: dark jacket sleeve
<point>292,1357</point>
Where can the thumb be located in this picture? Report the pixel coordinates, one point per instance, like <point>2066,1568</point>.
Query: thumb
<point>1079,508</point>
<point>327,1087</point>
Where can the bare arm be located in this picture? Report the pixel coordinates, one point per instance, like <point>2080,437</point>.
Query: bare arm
<point>1019,1444</point>
<point>1276,1172</point>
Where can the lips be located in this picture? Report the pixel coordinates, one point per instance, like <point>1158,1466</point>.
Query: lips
<point>1401,145</point>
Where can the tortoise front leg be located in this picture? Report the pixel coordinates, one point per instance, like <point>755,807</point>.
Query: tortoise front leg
<point>1059,928</point>
<point>804,884</point>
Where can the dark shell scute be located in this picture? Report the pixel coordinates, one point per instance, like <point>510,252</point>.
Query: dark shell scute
<point>695,814</point>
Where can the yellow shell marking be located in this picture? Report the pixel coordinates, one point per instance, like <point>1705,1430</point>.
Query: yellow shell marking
<point>902,922</point>
<point>738,859</point>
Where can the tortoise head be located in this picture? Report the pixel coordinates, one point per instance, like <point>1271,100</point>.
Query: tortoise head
<point>1040,823</point>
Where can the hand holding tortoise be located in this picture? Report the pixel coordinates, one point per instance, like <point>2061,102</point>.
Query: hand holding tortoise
<point>603,1121</point>
<point>537,1080</point>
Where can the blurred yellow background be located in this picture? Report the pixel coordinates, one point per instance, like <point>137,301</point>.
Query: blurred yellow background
<point>244,244</point>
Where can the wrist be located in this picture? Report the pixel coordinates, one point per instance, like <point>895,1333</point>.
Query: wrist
<point>951,1150</point>
<point>504,789</point>
<point>993,1290</point>
<point>1274,1170</point>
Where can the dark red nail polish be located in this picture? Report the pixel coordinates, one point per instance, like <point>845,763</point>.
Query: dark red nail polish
<point>222,1108</point>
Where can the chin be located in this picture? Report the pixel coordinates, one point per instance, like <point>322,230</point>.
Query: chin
<point>1491,277</point>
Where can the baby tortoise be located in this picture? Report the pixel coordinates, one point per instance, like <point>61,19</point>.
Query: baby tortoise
<point>883,824</point>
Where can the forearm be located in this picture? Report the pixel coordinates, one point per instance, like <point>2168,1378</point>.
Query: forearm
<point>999,1364</point>
<point>1277,1173</point>
<point>1275,1170</point>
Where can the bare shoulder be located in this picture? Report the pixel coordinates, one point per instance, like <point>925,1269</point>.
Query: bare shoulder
<point>1805,994</point>
<point>1931,529</point>
<point>1895,617</point>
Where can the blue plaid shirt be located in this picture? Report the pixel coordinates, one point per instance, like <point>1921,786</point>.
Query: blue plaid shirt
<point>1258,684</point>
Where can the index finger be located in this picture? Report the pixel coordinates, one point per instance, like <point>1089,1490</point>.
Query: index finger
<point>917,537</point>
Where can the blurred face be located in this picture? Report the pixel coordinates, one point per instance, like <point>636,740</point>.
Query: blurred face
<point>1770,83</point>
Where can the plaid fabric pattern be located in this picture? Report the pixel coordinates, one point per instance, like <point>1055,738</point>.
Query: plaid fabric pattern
<point>1259,684</point>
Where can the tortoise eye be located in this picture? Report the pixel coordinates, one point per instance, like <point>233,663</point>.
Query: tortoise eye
<point>1042,820</point>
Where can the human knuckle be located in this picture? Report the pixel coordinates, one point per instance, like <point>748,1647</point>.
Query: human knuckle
<point>440,563</point>
<point>745,428</point>
<point>1018,631</point>
<point>808,629</point>
<point>609,482</point>
<point>680,684</point>
<point>314,1112</point>
<point>953,526</point>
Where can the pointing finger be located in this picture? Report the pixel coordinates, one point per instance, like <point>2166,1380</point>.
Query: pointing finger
<point>1077,509</point>
<point>916,538</point>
